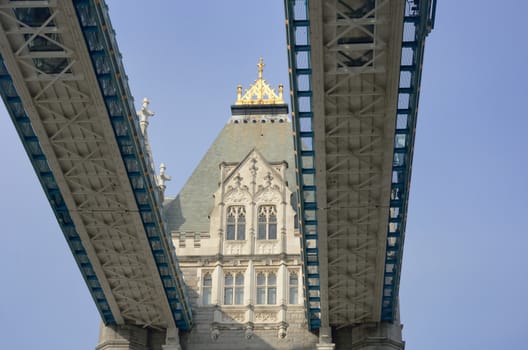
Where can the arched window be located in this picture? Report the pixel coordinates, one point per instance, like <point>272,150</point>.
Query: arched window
<point>266,288</point>
<point>207,285</point>
<point>293,286</point>
<point>236,223</point>
<point>267,222</point>
<point>234,289</point>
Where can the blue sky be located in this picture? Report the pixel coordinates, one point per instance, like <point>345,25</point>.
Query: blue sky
<point>464,274</point>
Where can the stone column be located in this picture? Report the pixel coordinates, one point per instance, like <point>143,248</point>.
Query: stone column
<point>249,284</point>
<point>383,336</point>
<point>282,284</point>
<point>325,339</point>
<point>249,290</point>
<point>218,282</point>
<point>123,337</point>
<point>128,337</point>
<point>172,340</point>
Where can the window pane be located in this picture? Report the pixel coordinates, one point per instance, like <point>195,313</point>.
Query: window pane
<point>261,279</point>
<point>228,281</point>
<point>261,295</point>
<point>236,223</point>
<point>208,280</point>
<point>294,295</point>
<point>228,296</point>
<point>272,280</point>
<point>272,295</point>
<point>239,279</point>
<point>261,231</point>
<point>207,296</point>
<point>241,230</point>
<point>293,279</point>
<point>230,234</point>
<point>239,295</point>
<point>272,231</point>
<point>272,215</point>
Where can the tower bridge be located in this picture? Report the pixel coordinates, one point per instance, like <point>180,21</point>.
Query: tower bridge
<point>355,71</point>
<point>64,86</point>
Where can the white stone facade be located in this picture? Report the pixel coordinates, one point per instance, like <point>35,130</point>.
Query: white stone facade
<point>245,273</point>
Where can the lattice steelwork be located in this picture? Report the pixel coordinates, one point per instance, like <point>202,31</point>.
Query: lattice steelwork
<point>297,30</point>
<point>354,106</point>
<point>63,83</point>
<point>417,24</point>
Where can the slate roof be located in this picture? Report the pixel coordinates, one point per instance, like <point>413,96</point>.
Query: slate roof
<point>189,211</point>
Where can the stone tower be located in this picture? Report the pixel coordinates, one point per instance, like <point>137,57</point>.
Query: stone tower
<point>234,228</point>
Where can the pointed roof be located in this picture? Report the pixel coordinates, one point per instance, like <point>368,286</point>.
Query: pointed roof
<point>189,211</point>
<point>259,122</point>
<point>253,154</point>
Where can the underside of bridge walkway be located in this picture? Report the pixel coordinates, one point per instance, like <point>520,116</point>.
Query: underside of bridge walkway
<point>63,83</point>
<point>355,70</point>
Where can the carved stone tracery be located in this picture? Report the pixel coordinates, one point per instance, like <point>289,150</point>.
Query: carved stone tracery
<point>233,316</point>
<point>237,192</point>
<point>265,316</point>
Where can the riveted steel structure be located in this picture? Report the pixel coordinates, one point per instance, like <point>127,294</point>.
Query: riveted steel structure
<point>63,83</point>
<point>355,69</point>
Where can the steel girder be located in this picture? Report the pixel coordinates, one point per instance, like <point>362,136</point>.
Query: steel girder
<point>347,64</point>
<point>64,85</point>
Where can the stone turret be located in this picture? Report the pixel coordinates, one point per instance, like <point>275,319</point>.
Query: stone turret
<point>234,228</point>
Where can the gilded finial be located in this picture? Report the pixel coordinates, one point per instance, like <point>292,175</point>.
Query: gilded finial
<point>260,93</point>
<point>260,66</point>
<point>239,92</point>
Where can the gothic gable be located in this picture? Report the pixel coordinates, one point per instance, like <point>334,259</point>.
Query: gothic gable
<point>253,179</point>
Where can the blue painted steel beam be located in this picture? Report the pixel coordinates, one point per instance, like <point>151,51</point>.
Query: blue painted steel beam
<point>25,131</point>
<point>102,46</point>
<point>297,16</point>
<point>418,22</point>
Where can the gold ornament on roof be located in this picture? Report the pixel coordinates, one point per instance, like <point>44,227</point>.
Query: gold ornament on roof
<point>261,92</point>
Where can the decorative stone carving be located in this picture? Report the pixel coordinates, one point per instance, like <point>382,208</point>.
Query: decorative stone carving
<point>270,192</point>
<point>162,178</point>
<point>253,169</point>
<point>144,114</point>
<point>260,92</point>
<point>266,247</point>
<point>265,316</point>
<point>228,169</point>
<point>233,316</point>
<point>234,248</point>
<point>237,193</point>
<point>249,331</point>
<point>269,195</point>
<point>215,333</point>
<point>282,331</point>
<point>237,196</point>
